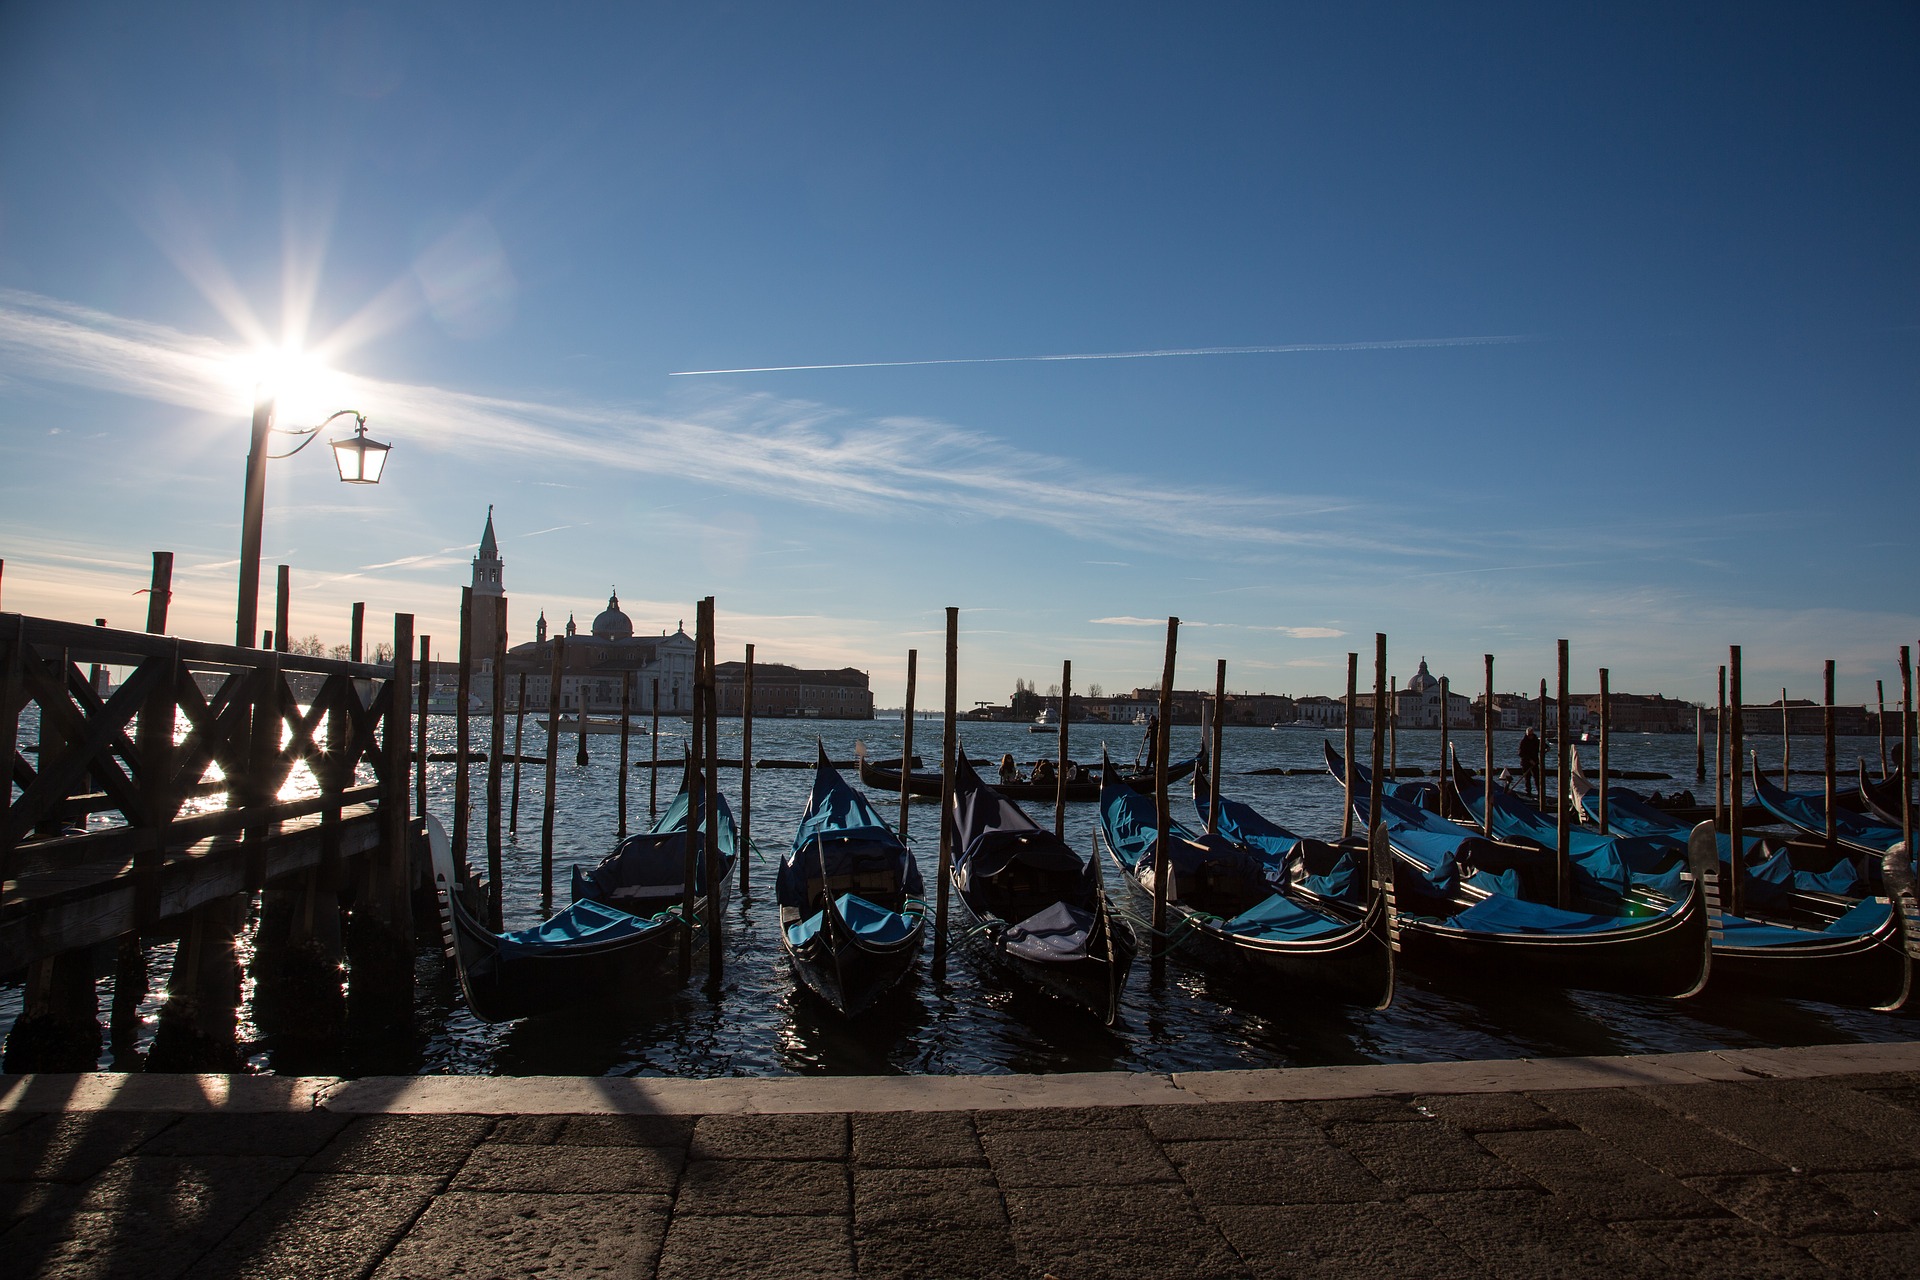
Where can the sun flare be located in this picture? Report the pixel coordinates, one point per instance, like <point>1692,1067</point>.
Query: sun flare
<point>304,388</point>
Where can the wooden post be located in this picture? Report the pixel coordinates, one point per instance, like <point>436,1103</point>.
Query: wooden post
<point>697,756</point>
<point>951,729</point>
<point>653,776</point>
<point>715,890</point>
<point>1393,726</point>
<point>1606,734</point>
<point>1826,726</point>
<point>496,736</point>
<point>420,728</point>
<point>1060,782</point>
<point>1906,748</point>
<point>1217,747</point>
<point>1486,743</point>
<point>519,739</point>
<point>1564,742</point>
<point>12,698</point>
<point>1163,844</point>
<point>1735,895</point>
<point>282,608</point>
<point>462,736</point>
<point>380,939</point>
<point>1720,757</point>
<point>159,593</point>
<point>1445,772</point>
<point>1700,742</point>
<point>1880,722</point>
<point>580,743</point>
<point>1786,743</point>
<point>1380,722</point>
<point>746,772</point>
<point>557,671</point>
<point>1346,813</point>
<point>1540,767</point>
<point>626,713</point>
<point>906,743</point>
<point>356,632</point>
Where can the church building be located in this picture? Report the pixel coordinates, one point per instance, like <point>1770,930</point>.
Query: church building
<point>595,665</point>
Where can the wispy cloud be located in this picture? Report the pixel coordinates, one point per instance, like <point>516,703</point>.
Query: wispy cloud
<point>1128,622</point>
<point>1392,344</point>
<point>1311,633</point>
<point>781,449</point>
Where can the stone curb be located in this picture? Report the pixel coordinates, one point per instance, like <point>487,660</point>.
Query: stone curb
<point>571,1095</point>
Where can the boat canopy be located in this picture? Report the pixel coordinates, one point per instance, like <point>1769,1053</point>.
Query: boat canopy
<point>585,923</point>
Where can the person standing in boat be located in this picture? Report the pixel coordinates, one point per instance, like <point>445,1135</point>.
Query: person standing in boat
<point>1529,757</point>
<point>1009,771</point>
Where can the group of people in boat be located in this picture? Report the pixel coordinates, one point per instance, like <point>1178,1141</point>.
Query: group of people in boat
<point>1044,772</point>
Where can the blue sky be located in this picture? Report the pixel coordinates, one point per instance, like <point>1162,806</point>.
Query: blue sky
<point>1598,324</point>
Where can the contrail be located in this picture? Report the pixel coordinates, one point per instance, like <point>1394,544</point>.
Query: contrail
<point>1397,344</point>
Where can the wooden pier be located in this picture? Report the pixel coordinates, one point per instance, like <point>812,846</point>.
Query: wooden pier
<point>209,775</point>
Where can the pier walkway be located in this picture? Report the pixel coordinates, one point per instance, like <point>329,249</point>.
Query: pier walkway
<point>1780,1162</point>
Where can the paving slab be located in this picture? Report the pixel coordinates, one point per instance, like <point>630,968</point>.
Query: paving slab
<point>1222,1121</point>
<point>751,1248</point>
<point>73,1148</point>
<point>1635,1124</point>
<point>529,1237</point>
<point>1488,1112</point>
<point>433,1146</point>
<point>1091,1157</point>
<point>1602,1181</point>
<point>776,1188</point>
<point>1425,1157</point>
<point>1380,1238</point>
<point>570,1170</point>
<point>299,1133</point>
<point>320,1226</point>
<point>185,1094</point>
<point>926,1139</point>
<point>1274,1173</point>
<point>914,1251</point>
<point>805,1136</point>
<point>1882,1256</point>
<point>956,1197</point>
<point>1893,1192</point>
<point>1721,1249</point>
<point>1791,1204</point>
<point>1526,1233</point>
<point>1757,1117</point>
<point>1118,1233</point>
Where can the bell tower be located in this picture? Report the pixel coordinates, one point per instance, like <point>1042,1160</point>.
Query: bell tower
<point>489,597</point>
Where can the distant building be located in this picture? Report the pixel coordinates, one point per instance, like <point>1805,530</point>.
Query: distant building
<point>1418,705</point>
<point>594,666</point>
<point>783,691</point>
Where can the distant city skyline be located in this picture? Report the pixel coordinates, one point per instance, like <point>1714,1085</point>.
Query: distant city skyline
<point>1477,327</point>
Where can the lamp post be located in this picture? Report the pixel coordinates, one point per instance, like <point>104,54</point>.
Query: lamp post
<point>359,460</point>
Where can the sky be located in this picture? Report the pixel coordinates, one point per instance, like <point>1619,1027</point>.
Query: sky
<point>1477,325</point>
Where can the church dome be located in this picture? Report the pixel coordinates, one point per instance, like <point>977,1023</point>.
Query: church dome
<point>612,624</point>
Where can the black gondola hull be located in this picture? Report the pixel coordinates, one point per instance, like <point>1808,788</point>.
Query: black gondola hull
<point>851,975</point>
<point>1091,983</point>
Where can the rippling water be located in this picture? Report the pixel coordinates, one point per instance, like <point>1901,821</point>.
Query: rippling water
<point>753,1022</point>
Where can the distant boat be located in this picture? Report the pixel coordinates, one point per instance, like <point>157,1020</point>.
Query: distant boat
<point>600,724</point>
<point>1044,722</point>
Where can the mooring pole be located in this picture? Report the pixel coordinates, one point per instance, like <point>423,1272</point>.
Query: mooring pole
<point>1720,757</point>
<point>696,797</point>
<point>1786,743</point>
<point>1163,844</point>
<point>1736,800</point>
<point>1906,748</point>
<point>1540,766</point>
<point>1218,745</point>
<point>716,886</point>
<point>420,730</point>
<point>356,631</point>
<point>1346,813</point>
<point>462,737</point>
<point>653,776</point>
<point>519,749</point>
<point>1700,741</point>
<point>1393,726</point>
<point>496,735</point>
<point>283,608</point>
<point>746,771</point>
<point>1486,742</point>
<point>1380,723</point>
<point>1564,742</point>
<point>1445,772</point>
<point>952,728</point>
<point>556,676</point>
<point>1060,781</point>
<point>906,744</point>
<point>1880,696</point>
<point>1606,733</point>
<point>626,729</point>
<point>1826,725</point>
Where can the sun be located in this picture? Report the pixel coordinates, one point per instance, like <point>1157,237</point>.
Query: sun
<point>303,387</point>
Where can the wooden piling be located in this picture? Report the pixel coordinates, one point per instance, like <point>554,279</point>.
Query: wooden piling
<point>1606,734</point>
<point>1445,772</point>
<point>716,953</point>
<point>420,728</point>
<point>159,593</point>
<point>906,739</point>
<point>951,728</point>
<point>1217,748</point>
<point>697,758</point>
<point>580,744</point>
<point>1786,743</point>
<point>1346,812</point>
<point>1380,721</point>
<point>1393,726</point>
<point>1564,744</point>
<point>1486,743</point>
<point>282,608</point>
<point>1163,843</point>
<point>557,670</point>
<point>1720,757</point>
<point>1826,728</point>
<point>626,712</point>
<point>1700,742</point>
<point>380,937</point>
<point>746,774</point>
<point>153,737</point>
<point>1736,891</point>
<point>462,736</point>
<point>519,738</point>
<point>496,738</point>
<point>653,778</point>
<point>1906,748</point>
<point>1540,765</point>
<point>356,632</point>
<point>1060,780</point>
<point>1880,723</point>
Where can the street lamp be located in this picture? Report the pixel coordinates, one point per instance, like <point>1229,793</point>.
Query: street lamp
<point>359,459</point>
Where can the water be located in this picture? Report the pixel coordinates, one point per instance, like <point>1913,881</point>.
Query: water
<point>754,1023</point>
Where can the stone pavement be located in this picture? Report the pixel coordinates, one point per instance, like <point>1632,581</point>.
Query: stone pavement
<point>1791,1162</point>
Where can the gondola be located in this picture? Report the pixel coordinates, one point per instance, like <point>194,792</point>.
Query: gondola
<point>1856,832</point>
<point>1028,907</point>
<point>1471,904</point>
<point>614,942</point>
<point>852,904</point>
<point>1236,906</point>
<point>1880,800</point>
<point>1802,934</point>
<point>1085,785</point>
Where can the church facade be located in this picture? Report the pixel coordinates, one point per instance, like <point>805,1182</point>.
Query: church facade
<point>596,666</point>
